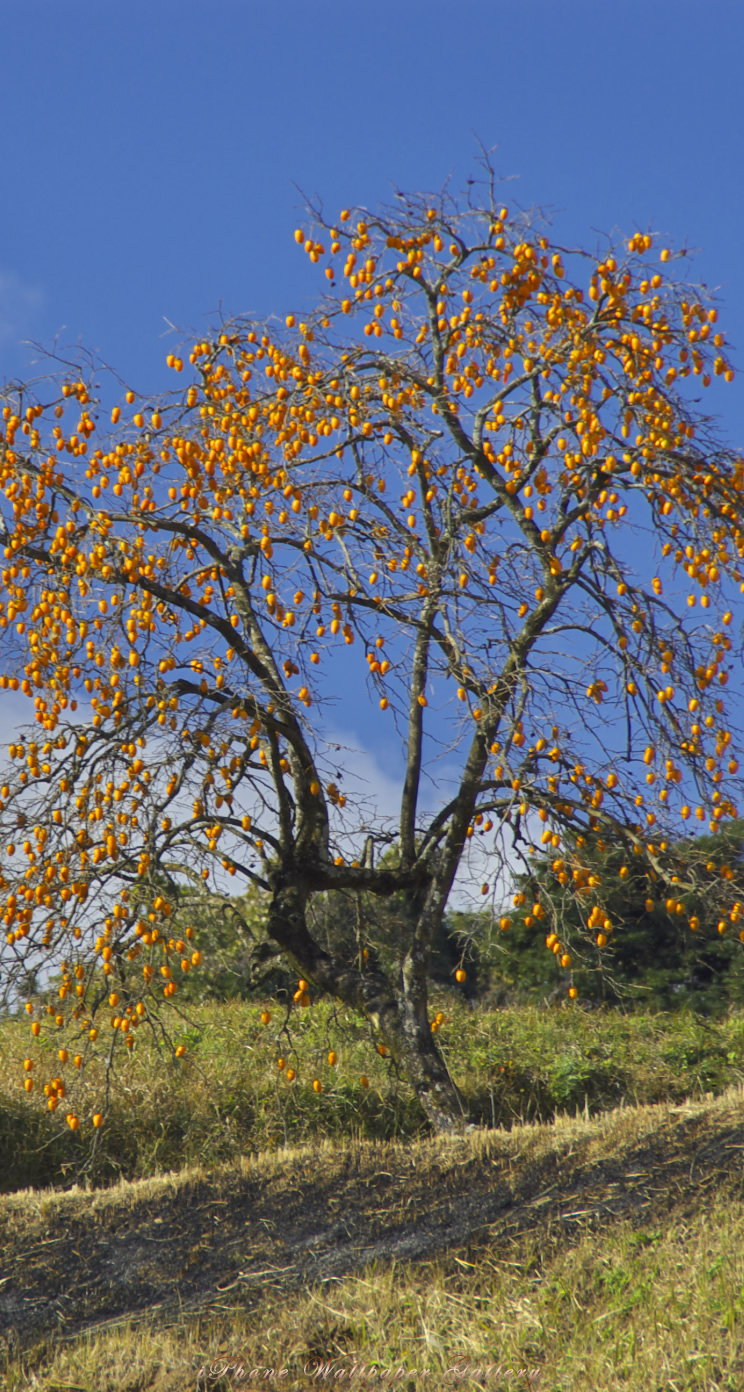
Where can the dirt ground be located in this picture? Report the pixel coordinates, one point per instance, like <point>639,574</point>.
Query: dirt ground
<point>75,1262</point>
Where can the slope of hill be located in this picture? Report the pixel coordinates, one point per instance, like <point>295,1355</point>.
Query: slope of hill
<point>281,1260</point>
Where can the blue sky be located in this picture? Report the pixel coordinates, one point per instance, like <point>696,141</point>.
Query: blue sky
<point>154,154</point>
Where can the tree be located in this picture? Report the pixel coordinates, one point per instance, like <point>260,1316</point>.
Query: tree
<point>643,957</point>
<point>238,959</point>
<point>476,475</point>
<point>347,923</point>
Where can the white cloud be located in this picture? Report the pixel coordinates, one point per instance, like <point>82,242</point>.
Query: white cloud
<point>363,780</point>
<point>378,795</point>
<point>20,304</point>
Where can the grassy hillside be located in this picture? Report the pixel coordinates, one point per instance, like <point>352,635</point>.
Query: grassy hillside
<point>600,1254</point>
<point>591,1231</point>
<point>227,1096</point>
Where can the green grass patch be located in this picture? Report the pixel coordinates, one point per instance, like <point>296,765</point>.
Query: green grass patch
<point>227,1096</point>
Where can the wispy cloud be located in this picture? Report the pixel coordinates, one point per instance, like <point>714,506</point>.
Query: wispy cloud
<point>20,304</point>
<point>377,794</point>
<point>363,779</point>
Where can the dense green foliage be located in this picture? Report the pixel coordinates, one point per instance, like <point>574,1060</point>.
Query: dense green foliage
<point>651,957</point>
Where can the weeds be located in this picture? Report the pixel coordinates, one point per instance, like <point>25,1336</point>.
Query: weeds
<point>228,1097</point>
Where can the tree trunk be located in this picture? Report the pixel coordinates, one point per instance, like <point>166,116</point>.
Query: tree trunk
<point>425,1067</point>
<point>427,1072</point>
<point>399,1019</point>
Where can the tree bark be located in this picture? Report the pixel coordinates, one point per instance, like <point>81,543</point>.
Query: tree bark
<point>399,1018</point>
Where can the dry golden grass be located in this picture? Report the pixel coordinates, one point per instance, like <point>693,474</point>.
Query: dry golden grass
<point>606,1253</point>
